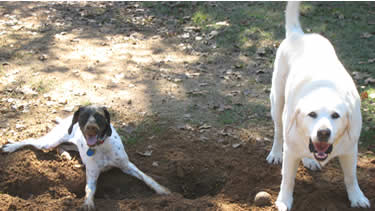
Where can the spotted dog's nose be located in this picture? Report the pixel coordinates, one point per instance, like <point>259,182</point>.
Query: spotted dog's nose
<point>324,134</point>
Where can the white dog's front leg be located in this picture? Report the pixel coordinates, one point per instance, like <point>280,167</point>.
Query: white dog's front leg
<point>92,175</point>
<point>276,154</point>
<point>289,169</point>
<point>349,167</point>
<point>311,164</point>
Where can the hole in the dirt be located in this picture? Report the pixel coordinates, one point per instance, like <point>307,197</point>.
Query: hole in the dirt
<point>197,179</point>
<point>27,189</point>
<point>114,184</point>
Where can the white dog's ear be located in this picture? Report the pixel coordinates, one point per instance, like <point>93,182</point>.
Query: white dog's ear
<point>291,120</point>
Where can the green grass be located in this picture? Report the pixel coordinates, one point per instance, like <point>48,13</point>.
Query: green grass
<point>85,103</point>
<point>254,25</point>
<point>41,86</point>
<point>144,130</point>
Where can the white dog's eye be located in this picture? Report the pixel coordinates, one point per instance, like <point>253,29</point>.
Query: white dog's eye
<point>312,115</point>
<point>335,115</point>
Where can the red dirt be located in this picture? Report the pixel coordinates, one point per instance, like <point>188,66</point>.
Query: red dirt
<point>202,175</point>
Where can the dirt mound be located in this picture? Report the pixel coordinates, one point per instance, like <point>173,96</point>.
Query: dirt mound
<point>203,175</point>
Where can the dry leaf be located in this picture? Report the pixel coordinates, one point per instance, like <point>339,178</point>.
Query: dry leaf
<point>370,81</point>
<point>364,95</point>
<point>366,35</point>
<point>147,153</point>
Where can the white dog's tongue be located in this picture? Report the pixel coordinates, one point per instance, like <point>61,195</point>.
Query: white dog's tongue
<point>91,140</point>
<point>321,147</point>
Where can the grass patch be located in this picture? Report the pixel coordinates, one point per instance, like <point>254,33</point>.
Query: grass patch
<point>85,103</point>
<point>368,115</point>
<point>42,86</point>
<point>148,128</point>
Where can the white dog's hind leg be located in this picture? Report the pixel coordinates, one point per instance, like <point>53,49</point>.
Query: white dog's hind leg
<point>131,169</point>
<point>349,167</point>
<point>289,169</point>
<point>277,107</point>
<point>311,164</point>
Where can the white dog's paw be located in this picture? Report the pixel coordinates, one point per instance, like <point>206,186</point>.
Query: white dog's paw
<point>275,158</point>
<point>311,164</point>
<point>359,200</point>
<point>284,201</point>
<point>284,206</point>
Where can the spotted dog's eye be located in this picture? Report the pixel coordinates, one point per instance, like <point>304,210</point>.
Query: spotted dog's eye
<point>335,115</point>
<point>312,115</point>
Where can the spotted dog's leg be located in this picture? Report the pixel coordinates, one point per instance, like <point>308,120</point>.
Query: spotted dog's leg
<point>42,143</point>
<point>129,168</point>
<point>57,136</point>
<point>92,174</point>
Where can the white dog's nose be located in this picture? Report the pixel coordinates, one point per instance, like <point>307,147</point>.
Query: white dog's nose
<point>324,134</point>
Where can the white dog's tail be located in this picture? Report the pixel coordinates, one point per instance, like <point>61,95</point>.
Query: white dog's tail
<point>292,18</point>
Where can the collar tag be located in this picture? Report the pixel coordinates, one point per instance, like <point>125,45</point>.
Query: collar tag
<point>90,152</point>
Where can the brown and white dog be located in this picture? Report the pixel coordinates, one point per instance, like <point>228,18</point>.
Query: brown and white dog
<point>99,146</point>
<point>315,107</point>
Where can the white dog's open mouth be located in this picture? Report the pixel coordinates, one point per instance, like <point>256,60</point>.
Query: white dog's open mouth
<point>320,150</point>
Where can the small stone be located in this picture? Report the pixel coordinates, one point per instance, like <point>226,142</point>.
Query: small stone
<point>262,199</point>
<point>236,145</point>
<point>68,108</point>
<point>43,57</point>
<point>78,166</point>
<point>155,164</point>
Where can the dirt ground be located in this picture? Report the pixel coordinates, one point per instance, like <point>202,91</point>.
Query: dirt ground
<point>202,110</point>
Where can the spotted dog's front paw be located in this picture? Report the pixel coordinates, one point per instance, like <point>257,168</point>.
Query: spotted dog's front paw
<point>163,191</point>
<point>88,206</point>
<point>11,147</point>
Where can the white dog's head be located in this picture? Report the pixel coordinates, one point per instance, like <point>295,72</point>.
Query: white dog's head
<point>322,116</point>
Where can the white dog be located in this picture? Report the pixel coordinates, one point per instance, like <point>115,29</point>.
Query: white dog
<point>315,107</point>
<point>99,146</point>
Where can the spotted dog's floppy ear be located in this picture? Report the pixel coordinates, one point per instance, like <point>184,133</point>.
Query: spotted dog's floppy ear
<point>108,130</point>
<point>75,120</point>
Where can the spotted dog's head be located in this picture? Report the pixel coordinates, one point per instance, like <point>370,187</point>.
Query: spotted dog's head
<point>94,123</point>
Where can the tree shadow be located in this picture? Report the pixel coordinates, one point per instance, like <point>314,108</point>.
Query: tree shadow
<point>211,64</point>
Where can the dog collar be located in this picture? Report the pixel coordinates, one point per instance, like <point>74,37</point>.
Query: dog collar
<point>91,151</point>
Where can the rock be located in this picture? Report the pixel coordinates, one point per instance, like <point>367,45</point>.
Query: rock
<point>236,145</point>
<point>262,199</point>
<point>43,57</point>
